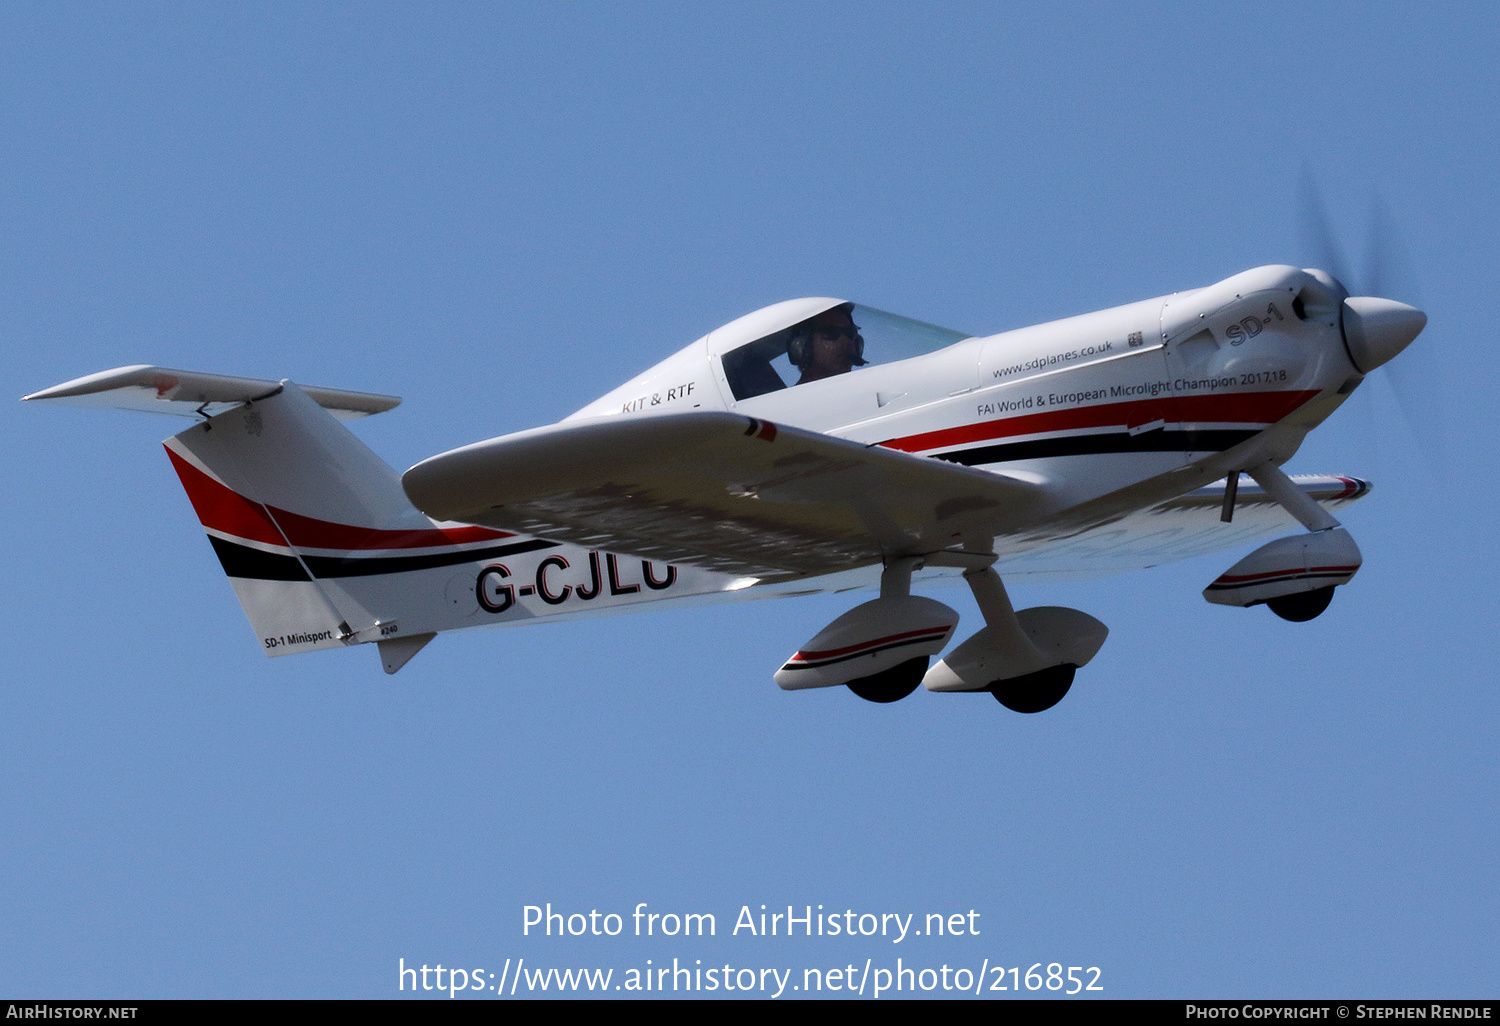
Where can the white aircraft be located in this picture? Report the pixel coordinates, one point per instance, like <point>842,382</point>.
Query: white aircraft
<point>814,445</point>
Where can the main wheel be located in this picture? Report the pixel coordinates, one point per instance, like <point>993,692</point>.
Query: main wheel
<point>891,685</point>
<point>1034,692</point>
<point>1303,606</point>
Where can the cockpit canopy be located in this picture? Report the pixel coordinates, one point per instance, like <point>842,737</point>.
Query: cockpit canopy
<point>805,340</point>
<point>776,349</point>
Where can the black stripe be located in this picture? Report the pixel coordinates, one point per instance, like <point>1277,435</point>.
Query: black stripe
<point>243,561</point>
<point>805,665</point>
<point>1095,445</point>
<point>1299,576</point>
<point>365,566</point>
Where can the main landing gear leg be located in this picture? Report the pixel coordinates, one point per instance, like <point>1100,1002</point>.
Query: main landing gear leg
<point>1025,659</point>
<point>1038,686</point>
<point>895,579</point>
<point>1293,499</point>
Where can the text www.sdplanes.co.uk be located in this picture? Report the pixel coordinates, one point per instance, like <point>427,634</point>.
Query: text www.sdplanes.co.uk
<point>851,980</point>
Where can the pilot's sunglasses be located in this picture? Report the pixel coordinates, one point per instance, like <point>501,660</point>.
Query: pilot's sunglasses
<point>849,333</point>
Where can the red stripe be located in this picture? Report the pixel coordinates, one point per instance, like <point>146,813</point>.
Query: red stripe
<point>830,653</point>
<point>1242,578</point>
<point>223,509</point>
<point>1235,408</point>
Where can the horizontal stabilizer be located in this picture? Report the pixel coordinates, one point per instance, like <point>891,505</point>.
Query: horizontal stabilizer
<point>195,394</point>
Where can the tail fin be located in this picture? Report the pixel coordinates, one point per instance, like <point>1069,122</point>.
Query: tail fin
<point>318,539</point>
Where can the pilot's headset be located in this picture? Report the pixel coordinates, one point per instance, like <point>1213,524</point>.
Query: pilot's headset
<point>799,344</point>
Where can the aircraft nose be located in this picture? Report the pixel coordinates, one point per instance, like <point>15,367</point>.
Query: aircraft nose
<point>1375,330</point>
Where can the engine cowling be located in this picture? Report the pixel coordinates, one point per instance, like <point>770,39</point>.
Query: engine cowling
<point>869,640</point>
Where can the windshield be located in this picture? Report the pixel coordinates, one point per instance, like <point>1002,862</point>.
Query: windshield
<point>837,341</point>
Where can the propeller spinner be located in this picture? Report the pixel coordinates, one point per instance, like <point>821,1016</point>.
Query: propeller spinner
<point>1376,330</point>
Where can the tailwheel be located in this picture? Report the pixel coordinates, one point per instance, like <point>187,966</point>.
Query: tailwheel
<point>1303,606</point>
<point>891,685</point>
<point>1034,692</point>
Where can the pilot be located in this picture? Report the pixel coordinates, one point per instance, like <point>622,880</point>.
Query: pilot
<point>827,344</point>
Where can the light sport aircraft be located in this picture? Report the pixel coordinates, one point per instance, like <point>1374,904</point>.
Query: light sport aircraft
<point>814,445</point>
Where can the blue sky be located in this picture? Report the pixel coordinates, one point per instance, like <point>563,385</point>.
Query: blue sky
<point>500,213</point>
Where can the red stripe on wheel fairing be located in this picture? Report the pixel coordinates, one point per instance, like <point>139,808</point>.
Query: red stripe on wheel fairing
<point>1235,408</point>
<point>1237,580</point>
<point>905,637</point>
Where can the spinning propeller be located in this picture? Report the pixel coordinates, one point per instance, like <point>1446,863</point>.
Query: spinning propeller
<point>1377,329</point>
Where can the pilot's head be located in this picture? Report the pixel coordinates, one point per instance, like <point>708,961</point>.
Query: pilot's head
<point>827,344</point>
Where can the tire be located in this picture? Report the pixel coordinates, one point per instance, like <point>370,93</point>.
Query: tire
<point>1304,606</point>
<point>1035,692</point>
<point>891,685</point>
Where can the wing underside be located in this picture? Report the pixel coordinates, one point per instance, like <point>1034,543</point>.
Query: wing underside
<point>723,492</point>
<point>733,494</point>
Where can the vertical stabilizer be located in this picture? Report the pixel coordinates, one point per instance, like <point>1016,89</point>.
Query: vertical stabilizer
<point>318,539</point>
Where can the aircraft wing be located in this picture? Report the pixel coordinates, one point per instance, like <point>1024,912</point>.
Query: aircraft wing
<point>723,492</point>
